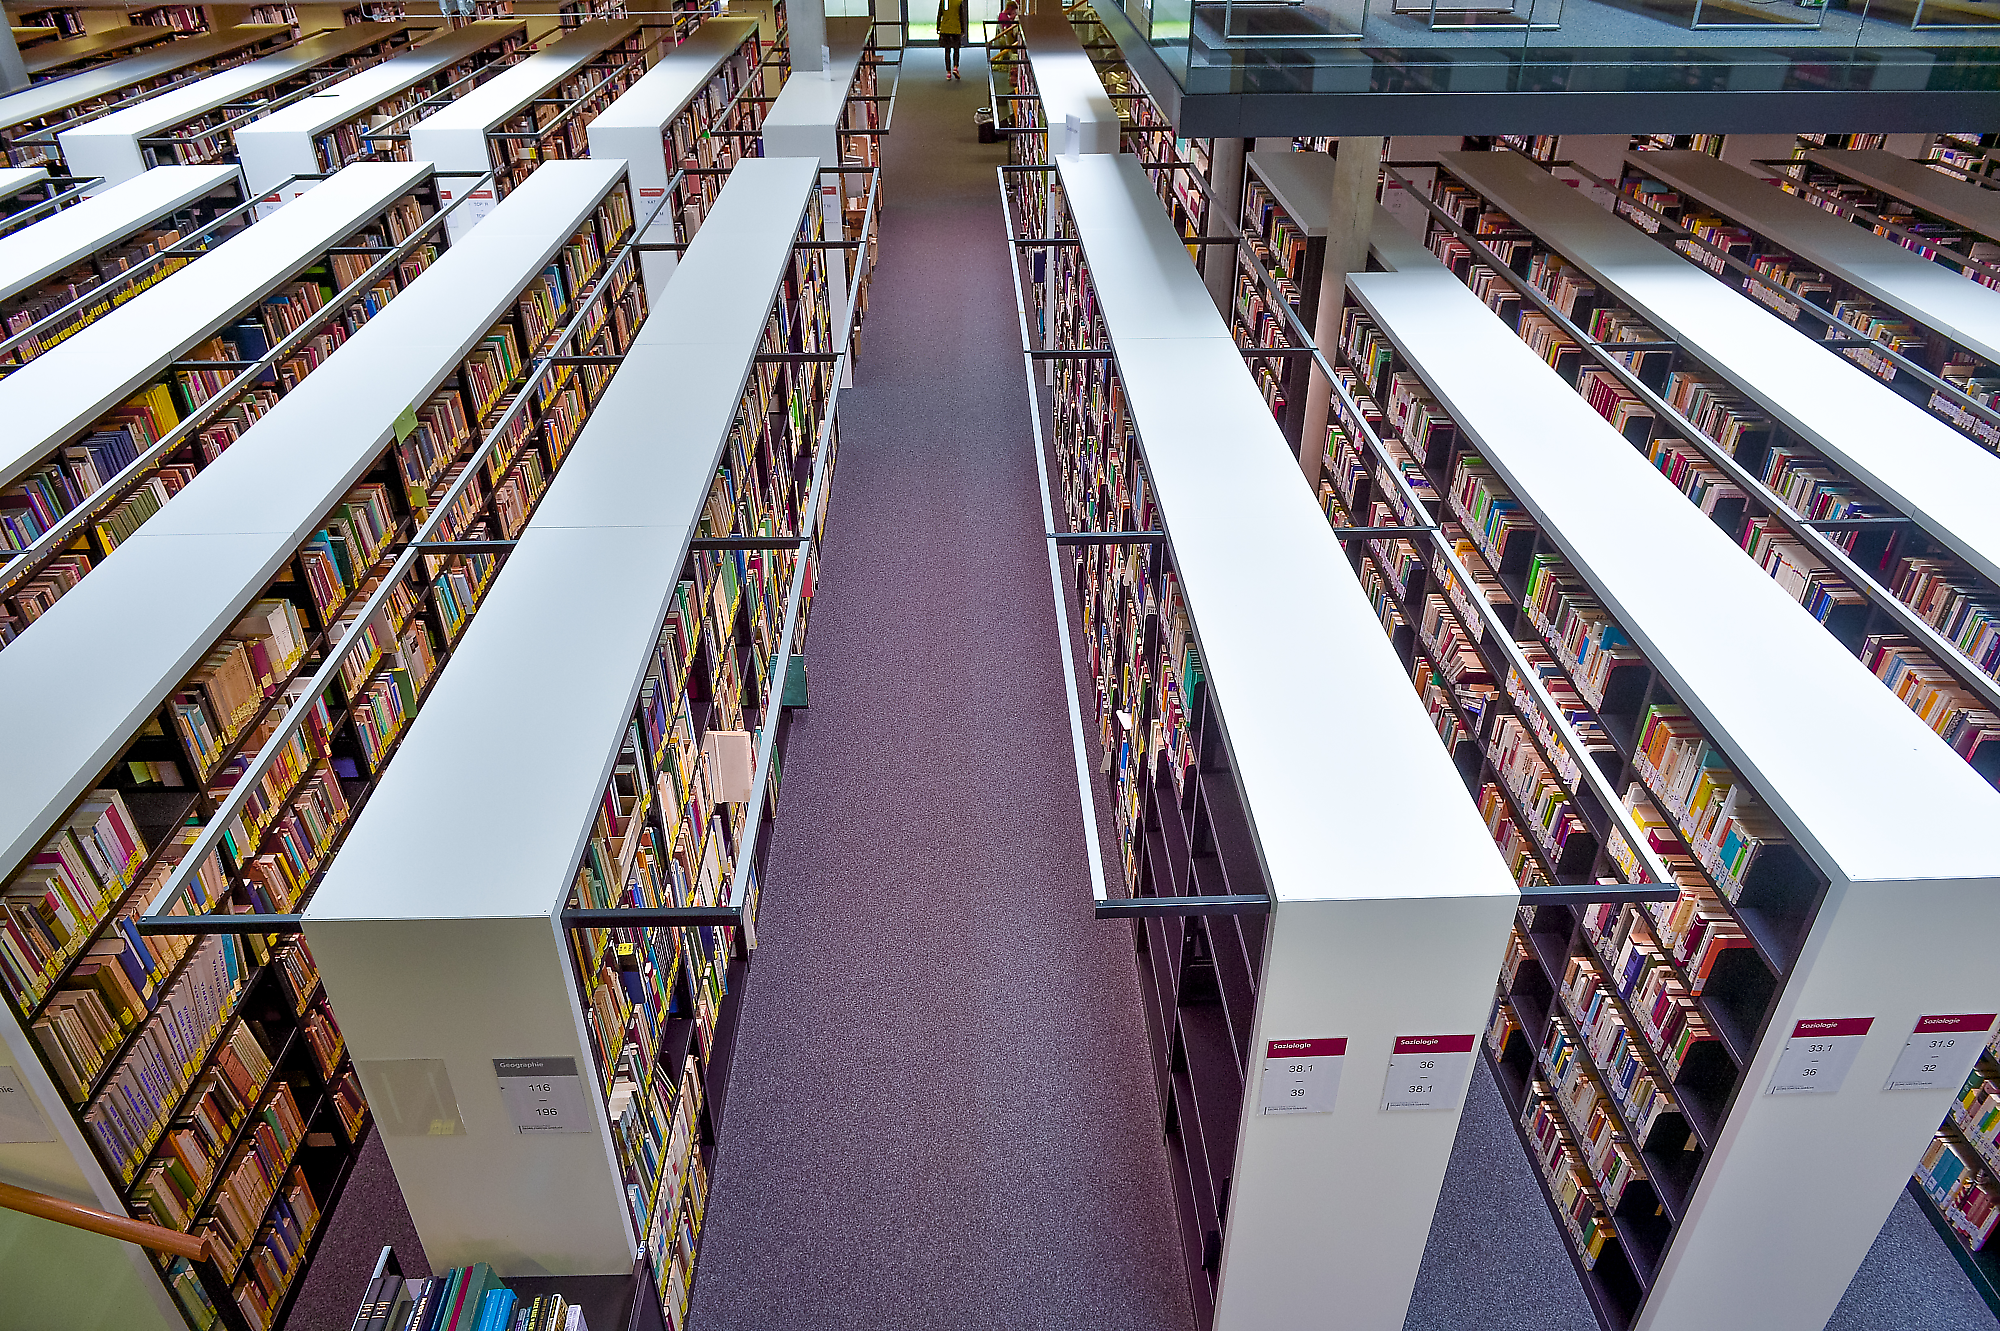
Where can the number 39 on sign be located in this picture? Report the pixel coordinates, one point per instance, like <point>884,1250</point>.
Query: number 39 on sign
<point>1301,1076</point>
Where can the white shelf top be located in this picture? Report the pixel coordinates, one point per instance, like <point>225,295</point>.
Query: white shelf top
<point>14,179</point>
<point>1395,247</point>
<point>74,234</point>
<point>61,94</point>
<point>808,108</point>
<point>60,392</point>
<point>349,98</point>
<point>633,127</point>
<point>579,603</point>
<point>1864,785</point>
<point>1944,480</point>
<point>1917,185</point>
<point>1302,184</point>
<point>681,73</point>
<point>111,143</point>
<point>1067,84</point>
<point>454,137</point>
<point>77,684</point>
<point>70,50</point>
<point>1339,765</point>
<point>1930,293</point>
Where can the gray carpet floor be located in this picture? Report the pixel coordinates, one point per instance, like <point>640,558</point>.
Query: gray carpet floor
<point>940,1116</point>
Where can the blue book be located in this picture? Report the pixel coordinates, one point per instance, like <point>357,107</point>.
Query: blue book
<point>498,1311</point>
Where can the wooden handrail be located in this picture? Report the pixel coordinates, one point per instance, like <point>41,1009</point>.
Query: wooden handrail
<point>157,1237</point>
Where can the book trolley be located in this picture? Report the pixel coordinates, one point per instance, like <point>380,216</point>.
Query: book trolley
<point>1662,1059</point>
<point>107,247</point>
<point>31,119</point>
<point>1271,906</point>
<point>682,126</point>
<point>354,119</point>
<point>196,122</point>
<point>560,1069</point>
<point>113,419</point>
<point>838,119</point>
<point>312,636</point>
<point>71,55</point>
<point>534,112</point>
<point>1921,327</point>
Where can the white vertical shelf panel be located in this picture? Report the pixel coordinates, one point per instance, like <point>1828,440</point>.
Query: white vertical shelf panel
<point>634,127</point>
<point>63,390</point>
<point>1969,205</point>
<point>70,236</point>
<point>109,146</point>
<point>1067,84</point>
<point>453,138</point>
<point>805,119</point>
<point>1945,481</point>
<point>1930,293</point>
<point>61,94</point>
<point>284,144</point>
<point>1344,780</point>
<point>73,691</point>
<point>1896,820</point>
<point>450,946</point>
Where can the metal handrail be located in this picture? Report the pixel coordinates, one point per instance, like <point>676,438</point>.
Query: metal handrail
<point>157,921</point>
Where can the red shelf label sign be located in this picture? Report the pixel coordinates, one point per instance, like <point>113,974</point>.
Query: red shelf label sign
<point>1427,1071</point>
<point>1940,1052</point>
<point>1816,1059</point>
<point>1302,1076</point>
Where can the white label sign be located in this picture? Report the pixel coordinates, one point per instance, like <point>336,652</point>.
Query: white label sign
<point>1427,1071</point>
<point>543,1094</point>
<point>1816,1059</point>
<point>1940,1052</point>
<point>1302,1076</point>
<point>20,1120</point>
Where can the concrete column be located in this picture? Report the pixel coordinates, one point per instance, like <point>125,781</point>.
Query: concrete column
<point>1225,182</point>
<point>1357,172</point>
<point>805,22</point>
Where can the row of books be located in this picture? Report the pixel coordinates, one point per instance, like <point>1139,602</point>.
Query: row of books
<point>78,473</point>
<point>466,1298</point>
<point>54,904</point>
<point>110,266</point>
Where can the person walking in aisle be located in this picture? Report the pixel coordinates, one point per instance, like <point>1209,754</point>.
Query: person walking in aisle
<point>951,26</point>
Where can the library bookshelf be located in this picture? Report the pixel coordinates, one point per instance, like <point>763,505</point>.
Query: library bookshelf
<point>1249,939</point>
<point>682,127</point>
<point>1862,504</point>
<point>355,120</point>
<point>1179,167</point>
<point>114,419</point>
<point>74,54</point>
<point>1280,258</point>
<point>1780,845</point>
<point>534,112</point>
<point>197,122</point>
<point>109,247</point>
<point>1940,210</point>
<point>610,918</point>
<point>235,804</point>
<point>1957,1172</point>
<point>839,120</point>
<point>31,119</point>
<point>1920,326</point>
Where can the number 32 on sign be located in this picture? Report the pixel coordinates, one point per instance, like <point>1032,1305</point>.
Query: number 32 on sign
<point>1301,1076</point>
